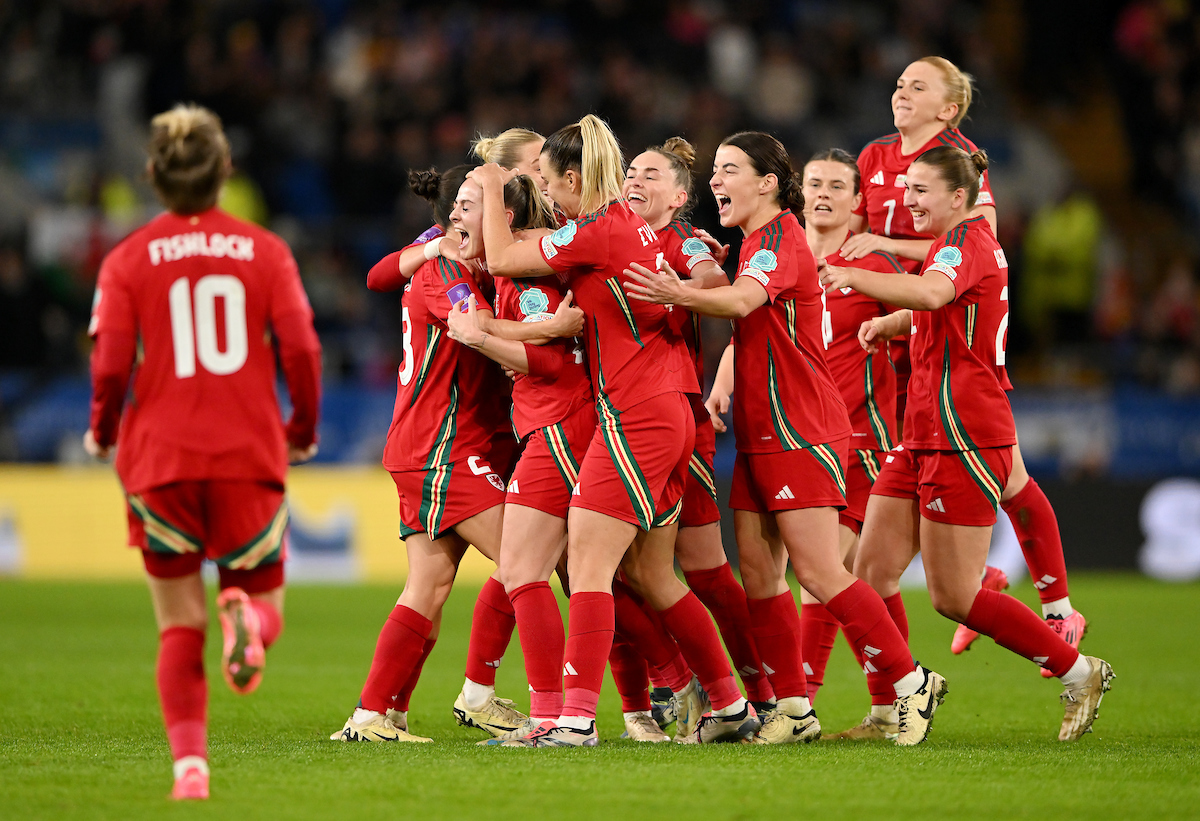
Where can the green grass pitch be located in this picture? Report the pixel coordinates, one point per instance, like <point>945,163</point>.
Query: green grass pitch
<point>81,734</point>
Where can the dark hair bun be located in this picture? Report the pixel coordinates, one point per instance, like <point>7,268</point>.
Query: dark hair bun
<point>980,159</point>
<point>425,183</point>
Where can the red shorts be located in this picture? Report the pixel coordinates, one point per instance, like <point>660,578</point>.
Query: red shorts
<point>240,525</point>
<point>952,487</point>
<point>791,480</point>
<point>504,452</point>
<point>861,469</point>
<point>434,501</point>
<point>700,492</point>
<point>549,468</point>
<point>636,466</point>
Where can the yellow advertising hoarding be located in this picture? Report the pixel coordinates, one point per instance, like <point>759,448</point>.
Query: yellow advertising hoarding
<point>69,523</point>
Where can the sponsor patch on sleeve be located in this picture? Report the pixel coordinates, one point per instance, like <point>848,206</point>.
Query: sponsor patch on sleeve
<point>764,261</point>
<point>943,268</point>
<point>949,255</point>
<point>533,301</point>
<point>564,235</point>
<point>754,273</point>
<point>984,198</point>
<point>548,249</point>
<point>693,246</point>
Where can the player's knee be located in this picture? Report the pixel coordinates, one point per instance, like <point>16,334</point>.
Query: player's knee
<point>949,602</point>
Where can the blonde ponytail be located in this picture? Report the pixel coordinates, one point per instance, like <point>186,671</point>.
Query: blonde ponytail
<point>960,86</point>
<point>589,148</point>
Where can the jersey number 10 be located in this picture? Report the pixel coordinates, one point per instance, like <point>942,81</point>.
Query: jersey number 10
<point>194,325</point>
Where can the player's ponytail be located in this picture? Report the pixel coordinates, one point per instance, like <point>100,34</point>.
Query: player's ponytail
<point>439,189</point>
<point>189,158</point>
<point>768,156</point>
<point>589,148</point>
<point>958,169</point>
<point>530,209</point>
<point>681,155</point>
<point>960,86</point>
<point>505,148</point>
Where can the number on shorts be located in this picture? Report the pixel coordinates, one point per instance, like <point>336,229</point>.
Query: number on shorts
<point>194,325</point>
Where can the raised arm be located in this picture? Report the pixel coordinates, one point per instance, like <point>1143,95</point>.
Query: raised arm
<point>663,286</point>
<point>505,256</point>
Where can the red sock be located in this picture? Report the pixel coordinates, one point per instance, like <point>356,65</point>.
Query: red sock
<point>818,631</point>
<point>726,600</point>
<point>776,626</point>
<point>1015,627</point>
<point>405,694</point>
<point>183,690</point>
<point>895,608</point>
<point>589,640</point>
<point>400,645</point>
<point>542,641</point>
<point>631,674</point>
<point>865,619</point>
<point>689,623</point>
<point>1033,519</point>
<point>270,621</point>
<point>491,631</point>
<point>642,628</point>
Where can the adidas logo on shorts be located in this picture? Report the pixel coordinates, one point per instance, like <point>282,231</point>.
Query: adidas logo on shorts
<point>513,487</point>
<point>936,505</point>
<point>786,493</point>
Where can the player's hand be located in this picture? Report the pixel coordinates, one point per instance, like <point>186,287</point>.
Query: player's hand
<point>463,323</point>
<point>882,328</point>
<point>511,374</point>
<point>720,252</point>
<point>716,405</point>
<point>95,449</point>
<point>567,320</point>
<point>298,456</point>
<point>860,245</point>
<point>662,286</point>
<point>448,245</point>
<point>834,277</point>
<point>491,174</point>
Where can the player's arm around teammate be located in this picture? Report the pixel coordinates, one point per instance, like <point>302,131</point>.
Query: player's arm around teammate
<point>957,452</point>
<point>202,452</point>
<point>788,482</point>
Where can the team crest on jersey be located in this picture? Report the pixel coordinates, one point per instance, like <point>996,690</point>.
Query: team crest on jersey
<point>496,481</point>
<point>459,293</point>
<point>949,256</point>
<point>693,246</point>
<point>763,260</point>
<point>533,301</point>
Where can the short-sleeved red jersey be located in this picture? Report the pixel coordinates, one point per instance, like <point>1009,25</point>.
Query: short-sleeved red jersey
<point>784,397</point>
<point>449,398</point>
<point>955,398</point>
<point>884,168</point>
<point>867,381</point>
<point>539,401</point>
<point>634,350</point>
<point>683,251</point>
<point>203,297</point>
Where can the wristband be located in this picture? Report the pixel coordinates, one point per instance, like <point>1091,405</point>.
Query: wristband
<point>433,249</point>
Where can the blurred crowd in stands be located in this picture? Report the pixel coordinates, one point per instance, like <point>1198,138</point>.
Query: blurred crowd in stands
<point>1090,110</point>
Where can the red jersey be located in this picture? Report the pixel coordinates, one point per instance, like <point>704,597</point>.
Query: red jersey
<point>884,168</point>
<point>784,397</point>
<point>683,251</point>
<point>201,298</point>
<point>867,381</point>
<point>449,398</point>
<point>634,350</point>
<point>541,400</point>
<point>955,399</point>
